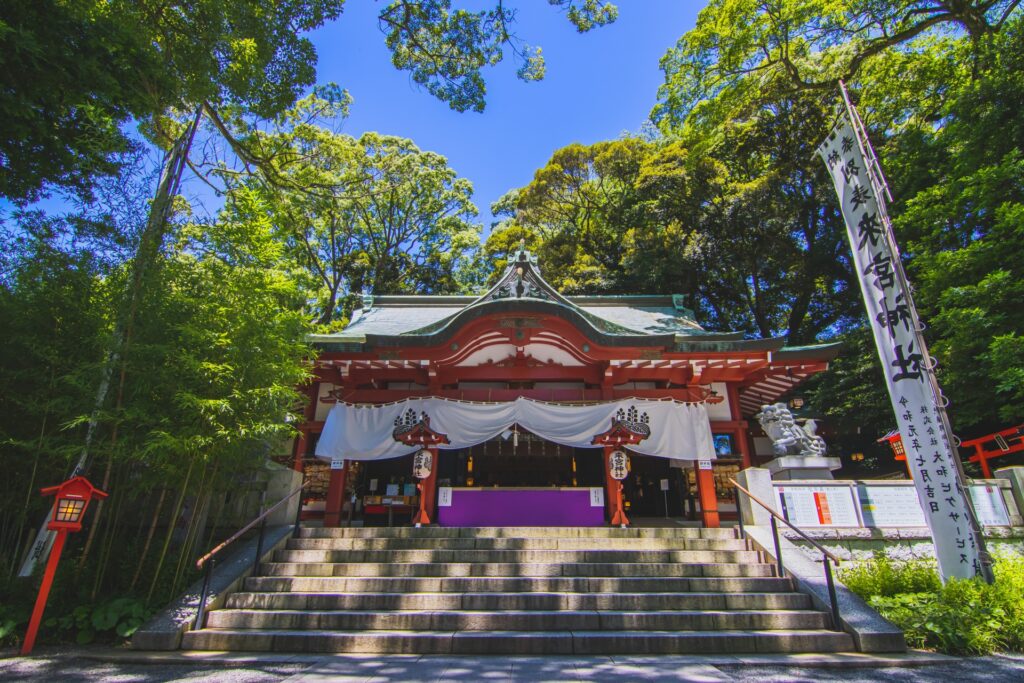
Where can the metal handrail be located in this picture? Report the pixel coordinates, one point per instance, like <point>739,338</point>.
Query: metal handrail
<point>209,560</point>
<point>826,556</point>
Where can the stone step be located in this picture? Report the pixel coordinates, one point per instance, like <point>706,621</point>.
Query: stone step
<point>561,556</point>
<point>520,642</point>
<point>324,578</point>
<point>514,532</point>
<point>317,601</point>
<point>507,569</point>
<point>501,584</point>
<point>516,544</point>
<point>570,620</point>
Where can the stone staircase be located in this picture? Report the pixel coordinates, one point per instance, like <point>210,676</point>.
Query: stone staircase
<point>518,591</point>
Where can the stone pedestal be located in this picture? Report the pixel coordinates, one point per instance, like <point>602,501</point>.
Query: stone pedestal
<point>1015,475</point>
<point>759,482</point>
<point>789,467</point>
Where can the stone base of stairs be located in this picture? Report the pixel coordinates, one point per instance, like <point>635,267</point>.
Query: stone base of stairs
<point>519,591</point>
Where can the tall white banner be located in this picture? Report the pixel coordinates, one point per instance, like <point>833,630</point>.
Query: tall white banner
<point>905,362</point>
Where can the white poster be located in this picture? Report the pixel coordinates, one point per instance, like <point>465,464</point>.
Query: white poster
<point>596,497</point>
<point>989,506</point>
<point>444,497</point>
<point>816,506</point>
<point>890,506</point>
<point>892,317</point>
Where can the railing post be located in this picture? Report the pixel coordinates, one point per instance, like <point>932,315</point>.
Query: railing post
<point>298,518</point>
<point>832,593</point>
<point>259,549</point>
<point>201,612</point>
<point>739,513</point>
<point>778,547</point>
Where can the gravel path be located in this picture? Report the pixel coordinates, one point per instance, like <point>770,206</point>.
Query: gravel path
<point>61,668</point>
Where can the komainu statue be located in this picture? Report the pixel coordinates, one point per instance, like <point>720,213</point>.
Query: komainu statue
<point>789,438</point>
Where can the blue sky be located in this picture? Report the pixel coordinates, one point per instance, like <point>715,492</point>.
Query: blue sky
<point>598,85</point>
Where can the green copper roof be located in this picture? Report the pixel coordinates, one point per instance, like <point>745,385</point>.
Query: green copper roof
<point>644,319</point>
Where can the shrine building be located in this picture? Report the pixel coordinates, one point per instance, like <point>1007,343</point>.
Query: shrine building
<point>524,407</point>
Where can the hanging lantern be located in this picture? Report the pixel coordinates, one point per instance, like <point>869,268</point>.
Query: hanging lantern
<point>617,467</point>
<point>422,463</point>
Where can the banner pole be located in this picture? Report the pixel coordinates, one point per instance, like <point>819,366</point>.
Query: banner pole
<point>881,190</point>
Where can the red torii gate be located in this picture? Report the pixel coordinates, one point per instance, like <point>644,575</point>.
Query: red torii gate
<point>995,445</point>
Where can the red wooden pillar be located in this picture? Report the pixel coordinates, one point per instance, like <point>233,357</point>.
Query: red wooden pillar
<point>427,487</point>
<point>613,493</point>
<point>742,441</point>
<point>300,450</point>
<point>335,496</point>
<point>309,414</point>
<point>744,447</point>
<point>986,471</point>
<point>708,499</point>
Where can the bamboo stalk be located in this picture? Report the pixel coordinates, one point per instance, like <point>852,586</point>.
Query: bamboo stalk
<point>170,531</point>
<point>149,538</point>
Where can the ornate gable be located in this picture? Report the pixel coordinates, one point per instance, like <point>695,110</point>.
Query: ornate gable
<point>522,280</point>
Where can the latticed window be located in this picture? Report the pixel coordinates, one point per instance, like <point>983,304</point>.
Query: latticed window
<point>69,510</point>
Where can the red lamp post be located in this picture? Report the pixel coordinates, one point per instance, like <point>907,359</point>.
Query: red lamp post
<point>73,497</point>
<point>420,434</point>
<point>615,466</point>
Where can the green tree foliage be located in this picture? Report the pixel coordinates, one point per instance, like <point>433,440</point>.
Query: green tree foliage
<point>933,80</point>
<point>216,357</point>
<point>739,46</point>
<point>739,227</point>
<point>74,73</point>
<point>373,212</point>
<point>445,49</point>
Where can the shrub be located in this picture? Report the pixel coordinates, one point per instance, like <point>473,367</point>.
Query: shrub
<point>887,577</point>
<point>121,616</point>
<point>962,617</point>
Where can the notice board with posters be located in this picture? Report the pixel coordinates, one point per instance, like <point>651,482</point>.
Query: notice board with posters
<point>818,506</point>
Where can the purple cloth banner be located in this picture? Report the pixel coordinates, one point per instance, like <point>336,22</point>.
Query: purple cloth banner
<point>521,507</point>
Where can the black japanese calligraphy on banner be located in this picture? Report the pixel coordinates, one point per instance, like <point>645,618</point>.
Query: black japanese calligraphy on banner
<point>904,362</point>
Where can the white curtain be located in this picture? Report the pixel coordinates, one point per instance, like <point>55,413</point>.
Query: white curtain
<point>363,432</point>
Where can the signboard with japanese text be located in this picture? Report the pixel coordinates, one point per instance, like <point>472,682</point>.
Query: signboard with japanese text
<point>904,361</point>
<point>596,497</point>
<point>817,506</point>
<point>890,506</point>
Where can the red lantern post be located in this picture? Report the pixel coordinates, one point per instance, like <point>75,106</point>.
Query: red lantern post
<point>73,497</point>
<point>615,466</point>
<point>420,434</point>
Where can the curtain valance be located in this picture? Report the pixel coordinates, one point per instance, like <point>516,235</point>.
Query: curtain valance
<point>365,432</point>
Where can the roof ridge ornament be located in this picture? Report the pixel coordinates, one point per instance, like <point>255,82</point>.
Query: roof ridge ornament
<point>522,279</point>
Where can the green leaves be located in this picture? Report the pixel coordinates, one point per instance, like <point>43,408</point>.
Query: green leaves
<point>120,616</point>
<point>964,617</point>
<point>374,212</point>
<point>445,49</point>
